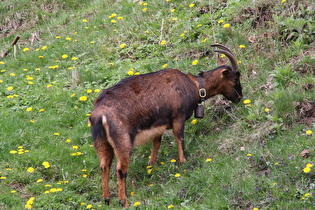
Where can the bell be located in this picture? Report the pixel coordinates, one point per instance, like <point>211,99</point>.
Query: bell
<point>199,111</point>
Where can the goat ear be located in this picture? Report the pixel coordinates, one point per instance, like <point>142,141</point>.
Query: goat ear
<point>225,72</point>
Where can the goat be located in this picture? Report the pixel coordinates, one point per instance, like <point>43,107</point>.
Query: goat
<point>140,108</point>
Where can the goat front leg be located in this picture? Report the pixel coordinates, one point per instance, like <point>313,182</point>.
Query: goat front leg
<point>156,142</point>
<point>178,130</point>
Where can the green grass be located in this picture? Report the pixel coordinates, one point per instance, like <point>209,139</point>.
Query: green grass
<point>239,156</point>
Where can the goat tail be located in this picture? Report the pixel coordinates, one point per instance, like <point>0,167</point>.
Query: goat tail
<point>98,128</point>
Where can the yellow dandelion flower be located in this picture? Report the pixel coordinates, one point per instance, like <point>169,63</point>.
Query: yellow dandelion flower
<point>170,206</point>
<point>130,73</point>
<point>28,206</point>
<point>89,206</point>
<point>164,66</point>
<point>173,161</point>
<point>220,21</point>
<point>58,37</point>
<point>173,10</point>
<point>12,75</point>
<point>137,203</point>
<point>64,56</point>
<point>208,160</point>
<point>13,152</point>
<point>112,15</point>
<point>150,170</point>
<point>44,48</point>
<point>97,90</point>
<point>283,1</point>
<point>122,46</point>
<point>227,25</point>
<point>247,101</point>
<point>53,190</point>
<point>120,18</point>
<point>75,147</point>
<point>177,175</point>
<point>74,58</point>
<point>29,109</point>
<point>132,193</point>
<point>191,5</point>
<point>113,21</point>
<point>145,9</point>
<point>309,132</point>
<point>2,62</point>
<point>30,169</point>
<point>195,62</point>
<point>267,110</point>
<point>83,98</point>
<point>46,164</point>
<point>309,165</point>
<point>174,19</point>
<point>10,88</point>
<point>89,91</point>
<point>26,49</point>
<point>194,121</point>
<point>41,110</point>
<point>249,155</point>
<point>84,20</point>
<point>163,42</point>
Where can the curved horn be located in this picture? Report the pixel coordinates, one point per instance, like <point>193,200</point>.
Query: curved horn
<point>228,54</point>
<point>222,47</point>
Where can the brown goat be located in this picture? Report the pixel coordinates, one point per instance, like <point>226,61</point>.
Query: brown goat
<point>140,108</point>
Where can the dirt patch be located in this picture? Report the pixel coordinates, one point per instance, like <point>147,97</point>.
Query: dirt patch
<point>306,112</point>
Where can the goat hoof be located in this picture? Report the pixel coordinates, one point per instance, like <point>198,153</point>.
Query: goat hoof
<point>107,201</point>
<point>124,203</point>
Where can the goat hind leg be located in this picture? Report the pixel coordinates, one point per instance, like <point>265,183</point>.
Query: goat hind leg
<point>106,154</point>
<point>123,160</point>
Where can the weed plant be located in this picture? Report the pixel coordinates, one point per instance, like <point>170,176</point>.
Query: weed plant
<point>244,156</point>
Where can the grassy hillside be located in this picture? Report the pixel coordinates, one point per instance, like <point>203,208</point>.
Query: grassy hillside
<point>244,156</point>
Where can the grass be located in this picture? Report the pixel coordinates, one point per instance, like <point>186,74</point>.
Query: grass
<point>241,156</point>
